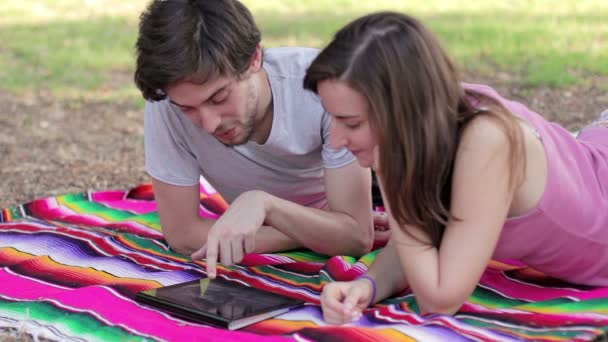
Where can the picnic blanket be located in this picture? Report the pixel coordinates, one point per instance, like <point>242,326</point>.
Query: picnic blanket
<point>72,264</point>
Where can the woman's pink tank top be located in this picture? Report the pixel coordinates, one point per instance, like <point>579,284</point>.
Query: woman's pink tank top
<point>566,235</point>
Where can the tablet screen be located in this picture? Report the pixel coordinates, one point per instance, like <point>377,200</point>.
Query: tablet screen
<point>227,299</point>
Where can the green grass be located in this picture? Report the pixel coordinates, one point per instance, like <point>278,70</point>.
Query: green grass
<point>80,47</point>
<point>66,54</point>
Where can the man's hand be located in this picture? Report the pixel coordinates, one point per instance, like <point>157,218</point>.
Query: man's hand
<point>233,235</point>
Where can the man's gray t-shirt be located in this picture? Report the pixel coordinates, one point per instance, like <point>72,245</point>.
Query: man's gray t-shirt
<point>289,165</point>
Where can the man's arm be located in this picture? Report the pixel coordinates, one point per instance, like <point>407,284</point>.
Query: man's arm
<point>178,211</point>
<point>186,232</point>
<point>346,229</point>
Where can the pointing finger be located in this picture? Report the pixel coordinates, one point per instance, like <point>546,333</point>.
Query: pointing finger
<point>211,257</point>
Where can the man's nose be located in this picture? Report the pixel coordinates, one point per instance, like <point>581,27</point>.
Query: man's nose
<point>209,119</point>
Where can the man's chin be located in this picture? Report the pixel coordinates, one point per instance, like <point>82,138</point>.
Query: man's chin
<point>236,141</point>
<point>240,137</point>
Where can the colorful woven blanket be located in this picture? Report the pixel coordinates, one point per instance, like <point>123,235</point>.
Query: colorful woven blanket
<point>71,266</point>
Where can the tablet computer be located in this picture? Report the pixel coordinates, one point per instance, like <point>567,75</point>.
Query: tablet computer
<point>219,302</point>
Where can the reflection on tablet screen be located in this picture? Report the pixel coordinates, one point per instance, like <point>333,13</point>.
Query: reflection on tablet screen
<point>230,300</point>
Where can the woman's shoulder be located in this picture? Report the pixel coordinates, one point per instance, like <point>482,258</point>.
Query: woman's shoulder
<point>485,131</point>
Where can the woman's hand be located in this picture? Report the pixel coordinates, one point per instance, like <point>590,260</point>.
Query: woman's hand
<point>382,231</point>
<point>343,302</point>
<point>233,234</point>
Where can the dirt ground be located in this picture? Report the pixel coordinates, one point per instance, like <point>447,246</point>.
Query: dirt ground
<point>50,147</point>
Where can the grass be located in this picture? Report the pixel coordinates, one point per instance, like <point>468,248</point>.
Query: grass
<point>85,47</point>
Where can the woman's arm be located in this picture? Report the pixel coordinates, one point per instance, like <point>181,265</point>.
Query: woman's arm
<point>442,279</point>
<point>343,302</point>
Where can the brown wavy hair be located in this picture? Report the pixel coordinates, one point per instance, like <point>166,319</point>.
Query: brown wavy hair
<point>419,109</point>
<point>192,40</point>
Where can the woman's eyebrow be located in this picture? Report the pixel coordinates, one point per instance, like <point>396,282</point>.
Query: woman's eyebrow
<point>345,116</point>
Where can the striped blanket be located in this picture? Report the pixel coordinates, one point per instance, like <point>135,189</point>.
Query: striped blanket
<point>71,266</point>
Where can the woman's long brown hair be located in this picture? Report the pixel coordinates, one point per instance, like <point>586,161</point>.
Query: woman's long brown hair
<point>419,109</point>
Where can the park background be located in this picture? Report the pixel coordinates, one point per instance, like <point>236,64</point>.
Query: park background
<point>71,119</point>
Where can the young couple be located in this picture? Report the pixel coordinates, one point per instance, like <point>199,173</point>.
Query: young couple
<point>465,175</point>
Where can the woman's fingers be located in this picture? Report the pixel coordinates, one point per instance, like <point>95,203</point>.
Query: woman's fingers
<point>353,299</point>
<point>331,301</point>
<point>340,302</point>
<point>381,221</point>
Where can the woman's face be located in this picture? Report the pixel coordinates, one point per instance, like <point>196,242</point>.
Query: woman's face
<point>350,127</point>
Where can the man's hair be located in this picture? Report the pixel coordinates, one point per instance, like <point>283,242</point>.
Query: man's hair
<point>419,110</point>
<point>192,40</point>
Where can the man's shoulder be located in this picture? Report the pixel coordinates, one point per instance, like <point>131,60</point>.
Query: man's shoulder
<point>290,51</point>
<point>288,62</point>
<point>162,114</point>
<point>159,106</point>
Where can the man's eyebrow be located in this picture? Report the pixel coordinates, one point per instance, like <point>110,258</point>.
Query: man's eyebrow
<point>209,98</point>
<point>177,104</point>
<point>222,88</point>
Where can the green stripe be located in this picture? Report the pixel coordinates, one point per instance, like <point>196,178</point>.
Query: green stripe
<point>564,305</point>
<point>493,300</point>
<point>81,204</point>
<point>518,329</point>
<point>73,324</point>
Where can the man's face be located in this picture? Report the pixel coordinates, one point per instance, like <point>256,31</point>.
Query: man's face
<point>224,107</point>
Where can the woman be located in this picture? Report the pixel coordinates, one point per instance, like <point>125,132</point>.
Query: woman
<point>466,175</point>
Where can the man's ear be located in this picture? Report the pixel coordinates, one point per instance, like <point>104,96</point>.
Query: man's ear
<point>256,59</point>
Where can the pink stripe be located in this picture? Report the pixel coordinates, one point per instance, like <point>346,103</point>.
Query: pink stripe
<point>521,290</point>
<point>117,200</point>
<point>50,209</point>
<point>117,310</point>
<point>135,206</point>
<point>545,319</point>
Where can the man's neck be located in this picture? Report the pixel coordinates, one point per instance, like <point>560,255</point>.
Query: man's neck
<point>264,108</point>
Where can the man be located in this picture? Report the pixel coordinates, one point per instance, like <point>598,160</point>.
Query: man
<point>221,107</point>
